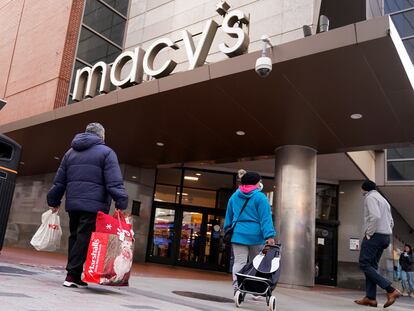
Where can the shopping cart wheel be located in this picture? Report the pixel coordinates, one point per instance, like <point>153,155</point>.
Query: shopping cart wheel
<point>238,298</point>
<point>272,303</point>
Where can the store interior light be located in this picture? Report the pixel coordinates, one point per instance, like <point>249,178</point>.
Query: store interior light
<point>134,177</point>
<point>198,174</point>
<point>56,158</point>
<point>191,178</point>
<point>240,133</point>
<point>356,116</point>
<point>184,194</point>
<point>160,144</point>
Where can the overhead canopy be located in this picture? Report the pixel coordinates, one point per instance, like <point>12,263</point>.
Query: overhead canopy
<point>317,83</point>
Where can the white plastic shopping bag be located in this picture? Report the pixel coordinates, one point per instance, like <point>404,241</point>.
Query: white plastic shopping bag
<point>47,237</point>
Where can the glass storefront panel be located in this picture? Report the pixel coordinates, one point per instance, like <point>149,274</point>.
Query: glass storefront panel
<point>105,21</point>
<point>215,253</point>
<point>169,176</point>
<point>326,202</point>
<point>400,171</point>
<point>404,22</point>
<point>400,153</point>
<point>197,197</point>
<point>207,180</point>
<point>268,189</point>
<point>93,49</point>
<point>391,6</point>
<point>191,238</point>
<point>120,5</point>
<point>163,233</point>
<point>409,46</point>
<point>169,194</point>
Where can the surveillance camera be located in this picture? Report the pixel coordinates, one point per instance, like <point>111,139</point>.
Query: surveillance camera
<point>263,66</point>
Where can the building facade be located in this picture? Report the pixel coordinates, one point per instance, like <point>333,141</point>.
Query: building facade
<point>174,83</point>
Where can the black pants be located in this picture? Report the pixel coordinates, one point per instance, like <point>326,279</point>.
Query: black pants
<point>369,257</point>
<point>81,225</point>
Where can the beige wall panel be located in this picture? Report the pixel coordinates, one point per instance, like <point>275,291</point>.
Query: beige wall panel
<point>154,4</point>
<point>38,53</point>
<point>10,16</point>
<point>282,20</point>
<point>30,102</point>
<point>137,7</point>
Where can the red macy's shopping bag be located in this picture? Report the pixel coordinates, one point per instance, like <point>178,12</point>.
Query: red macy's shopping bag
<point>113,224</point>
<point>109,259</point>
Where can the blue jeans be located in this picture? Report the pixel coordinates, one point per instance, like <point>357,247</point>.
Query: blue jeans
<point>407,279</point>
<point>369,257</point>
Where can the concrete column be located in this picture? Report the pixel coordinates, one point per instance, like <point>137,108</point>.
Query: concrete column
<point>295,189</point>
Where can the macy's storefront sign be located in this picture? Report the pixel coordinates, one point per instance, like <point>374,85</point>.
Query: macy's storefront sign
<point>86,80</point>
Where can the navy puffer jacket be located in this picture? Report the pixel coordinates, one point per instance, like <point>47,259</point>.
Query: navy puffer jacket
<point>90,175</point>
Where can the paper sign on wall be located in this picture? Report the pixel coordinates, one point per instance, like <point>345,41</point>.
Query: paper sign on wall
<point>321,241</point>
<point>354,244</point>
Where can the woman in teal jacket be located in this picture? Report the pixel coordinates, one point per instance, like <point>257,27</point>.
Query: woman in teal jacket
<point>254,226</point>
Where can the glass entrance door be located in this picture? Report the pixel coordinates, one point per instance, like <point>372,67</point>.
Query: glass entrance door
<point>191,237</point>
<point>162,248</point>
<point>326,254</point>
<point>216,254</point>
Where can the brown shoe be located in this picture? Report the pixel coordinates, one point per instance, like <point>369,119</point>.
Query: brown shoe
<point>366,302</point>
<point>392,297</point>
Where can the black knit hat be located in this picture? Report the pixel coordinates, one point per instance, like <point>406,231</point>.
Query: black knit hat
<point>250,178</point>
<point>369,185</point>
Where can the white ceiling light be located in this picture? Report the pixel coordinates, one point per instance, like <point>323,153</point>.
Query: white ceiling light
<point>198,174</point>
<point>56,158</point>
<point>191,178</point>
<point>240,133</point>
<point>160,144</point>
<point>356,116</point>
<point>134,177</point>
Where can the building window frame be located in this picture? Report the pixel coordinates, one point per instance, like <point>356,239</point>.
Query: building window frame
<point>395,182</point>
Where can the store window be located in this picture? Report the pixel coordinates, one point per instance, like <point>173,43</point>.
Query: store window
<point>93,48</point>
<point>404,23</point>
<point>326,202</point>
<point>391,6</point>
<point>102,34</point>
<point>105,21</point>
<point>163,236</point>
<point>400,164</point>
<point>207,189</point>
<point>409,46</point>
<point>120,5</point>
<point>402,14</point>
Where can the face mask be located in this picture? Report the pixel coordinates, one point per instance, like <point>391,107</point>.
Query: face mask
<point>260,186</point>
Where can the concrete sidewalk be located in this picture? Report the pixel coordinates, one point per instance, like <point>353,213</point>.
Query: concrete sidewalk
<point>37,287</point>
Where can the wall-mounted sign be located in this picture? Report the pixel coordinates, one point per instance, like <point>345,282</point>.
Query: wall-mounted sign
<point>354,244</point>
<point>234,24</point>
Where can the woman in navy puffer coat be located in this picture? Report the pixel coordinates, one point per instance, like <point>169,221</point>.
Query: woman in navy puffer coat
<point>90,175</point>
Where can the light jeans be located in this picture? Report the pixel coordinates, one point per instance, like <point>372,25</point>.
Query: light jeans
<point>407,279</point>
<point>242,254</point>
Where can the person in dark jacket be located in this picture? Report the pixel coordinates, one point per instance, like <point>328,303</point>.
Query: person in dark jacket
<point>91,177</point>
<point>407,269</point>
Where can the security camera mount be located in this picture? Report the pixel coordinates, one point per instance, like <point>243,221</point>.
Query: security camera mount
<point>266,44</point>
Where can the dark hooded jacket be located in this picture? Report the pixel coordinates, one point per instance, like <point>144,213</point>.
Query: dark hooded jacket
<point>90,175</point>
<point>407,261</point>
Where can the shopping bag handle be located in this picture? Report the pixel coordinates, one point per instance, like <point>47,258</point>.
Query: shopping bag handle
<point>118,213</point>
